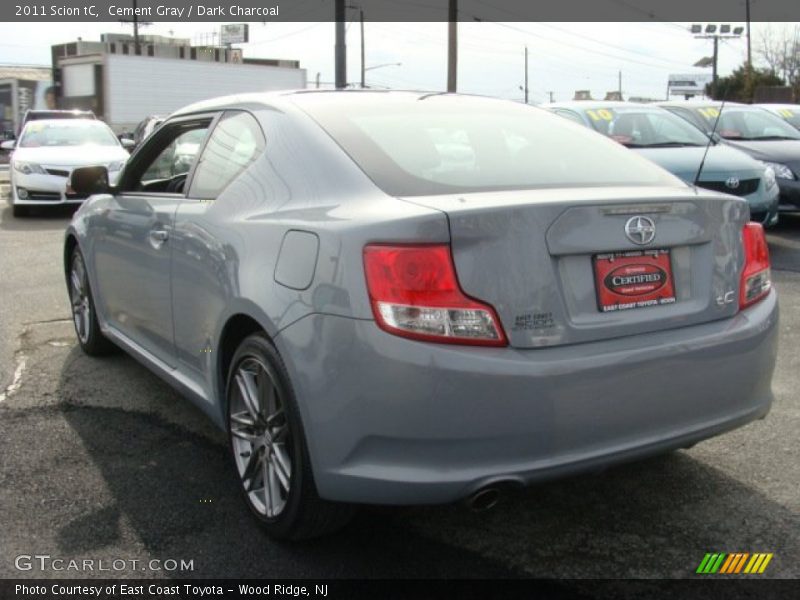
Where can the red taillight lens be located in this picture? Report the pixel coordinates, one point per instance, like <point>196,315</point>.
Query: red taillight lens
<point>756,278</point>
<point>414,293</point>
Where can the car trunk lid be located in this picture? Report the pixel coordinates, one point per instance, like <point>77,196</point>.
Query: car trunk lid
<point>531,255</point>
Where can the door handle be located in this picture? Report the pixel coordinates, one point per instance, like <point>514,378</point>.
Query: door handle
<point>158,236</point>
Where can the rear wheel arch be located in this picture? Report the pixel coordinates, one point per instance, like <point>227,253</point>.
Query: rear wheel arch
<point>70,243</point>
<point>236,329</point>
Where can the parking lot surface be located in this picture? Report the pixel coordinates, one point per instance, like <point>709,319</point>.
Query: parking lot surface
<point>100,459</point>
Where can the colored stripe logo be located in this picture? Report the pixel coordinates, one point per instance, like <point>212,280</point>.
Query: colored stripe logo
<point>734,563</point>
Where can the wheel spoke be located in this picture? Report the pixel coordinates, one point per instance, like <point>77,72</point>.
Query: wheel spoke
<point>273,418</point>
<point>76,283</point>
<point>249,392</point>
<point>280,433</point>
<point>244,435</point>
<point>269,504</point>
<point>275,502</point>
<point>283,465</point>
<point>269,394</point>
<point>242,418</point>
<point>251,469</point>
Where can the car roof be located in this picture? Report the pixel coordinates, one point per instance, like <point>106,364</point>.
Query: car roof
<point>592,104</point>
<point>287,98</point>
<point>692,103</point>
<point>769,105</point>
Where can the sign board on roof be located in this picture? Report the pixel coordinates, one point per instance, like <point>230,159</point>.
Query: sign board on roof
<point>235,33</point>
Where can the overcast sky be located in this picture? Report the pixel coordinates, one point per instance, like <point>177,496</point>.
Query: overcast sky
<point>563,57</point>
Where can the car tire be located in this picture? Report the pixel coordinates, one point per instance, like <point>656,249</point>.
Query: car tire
<point>19,211</point>
<point>84,315</point>
<point>269,450</point>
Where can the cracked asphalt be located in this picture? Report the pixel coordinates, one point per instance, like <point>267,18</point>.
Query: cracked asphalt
<point>100,459</point>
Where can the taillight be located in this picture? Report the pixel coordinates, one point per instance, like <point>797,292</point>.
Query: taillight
<point>414,293</point>
<point>756,280</point>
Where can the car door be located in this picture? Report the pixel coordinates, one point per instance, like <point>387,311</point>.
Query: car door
<point>133,250</point>
<point>206,258</point>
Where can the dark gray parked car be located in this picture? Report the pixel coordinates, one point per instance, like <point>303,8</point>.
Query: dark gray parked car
<point>757,132</point>
<point>401,298</point>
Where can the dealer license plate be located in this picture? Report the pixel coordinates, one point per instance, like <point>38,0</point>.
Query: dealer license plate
<point>636,279</point>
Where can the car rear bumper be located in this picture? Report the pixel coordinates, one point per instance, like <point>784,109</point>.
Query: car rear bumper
<point>790,195</point>
<point>394,421</point>
<point>764,206</point>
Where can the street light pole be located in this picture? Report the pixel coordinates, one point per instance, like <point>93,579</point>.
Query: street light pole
<point>341,48</point>
<point>363,70</point>
<point>452,46</point>
<point>526,74</point>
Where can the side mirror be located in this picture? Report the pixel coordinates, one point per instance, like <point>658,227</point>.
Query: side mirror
<point>86,181</point>
<point>127,143</point>
<point>8,145</point>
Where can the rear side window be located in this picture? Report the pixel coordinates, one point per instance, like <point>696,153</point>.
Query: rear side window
<point>443,144</point>
<point>568,114</point>
<point>235,143</point>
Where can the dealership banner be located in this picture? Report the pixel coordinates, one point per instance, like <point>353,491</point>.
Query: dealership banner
<point>385,589</point>
<point>398,10</point>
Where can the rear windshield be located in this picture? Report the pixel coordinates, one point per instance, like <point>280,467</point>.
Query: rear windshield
<point>438,144</point>
<point>638,127</point>
<point>790,115</point>
<point>747,123</point>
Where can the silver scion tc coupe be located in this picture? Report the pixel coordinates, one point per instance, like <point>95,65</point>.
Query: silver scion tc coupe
<point>405,298</point>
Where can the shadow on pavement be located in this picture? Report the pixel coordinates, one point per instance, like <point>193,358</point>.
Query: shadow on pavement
<point>178,491</point>
<point>44,218</point>
<point>654,518</point>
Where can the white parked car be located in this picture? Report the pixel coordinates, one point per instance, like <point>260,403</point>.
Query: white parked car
<point>48,151</point>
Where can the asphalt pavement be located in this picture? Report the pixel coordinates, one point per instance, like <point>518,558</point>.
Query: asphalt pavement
<point>100,459</point>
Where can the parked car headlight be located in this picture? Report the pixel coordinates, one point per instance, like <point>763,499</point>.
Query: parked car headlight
<point>781,171</point>
<point>769,177</point>
<point>26,168</point>
<point>116,165</point>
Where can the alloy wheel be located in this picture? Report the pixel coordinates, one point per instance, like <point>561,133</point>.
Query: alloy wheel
<point>79,296</point>
<point>260,437</point>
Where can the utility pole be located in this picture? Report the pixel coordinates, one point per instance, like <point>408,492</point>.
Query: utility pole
<point>716,55</point>
<point>137,49</point>
<point>749,54</point>
<point>452,46</point>
<point>341,47</point>
<point>526,74</point>
<point>619,85</point>
<point>551,96</point>
<point>363,68</point>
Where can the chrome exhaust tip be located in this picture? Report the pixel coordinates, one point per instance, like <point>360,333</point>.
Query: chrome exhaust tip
<point>484,499</point>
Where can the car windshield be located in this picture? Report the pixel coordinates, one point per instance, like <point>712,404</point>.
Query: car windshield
<point>437,144</point>
<point>638,127</point>
<point>747,123</point>
<point>790,115</point>
<point>67,133</point>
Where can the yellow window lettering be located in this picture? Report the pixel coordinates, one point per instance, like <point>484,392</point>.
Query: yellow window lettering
<point>709,112</point>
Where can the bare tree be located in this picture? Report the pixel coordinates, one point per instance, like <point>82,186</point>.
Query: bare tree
<point>779,49</point>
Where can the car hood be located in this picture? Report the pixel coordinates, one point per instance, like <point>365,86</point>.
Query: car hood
<point>721,162</point>
<point>72,156</point>
<point>782,151</point>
